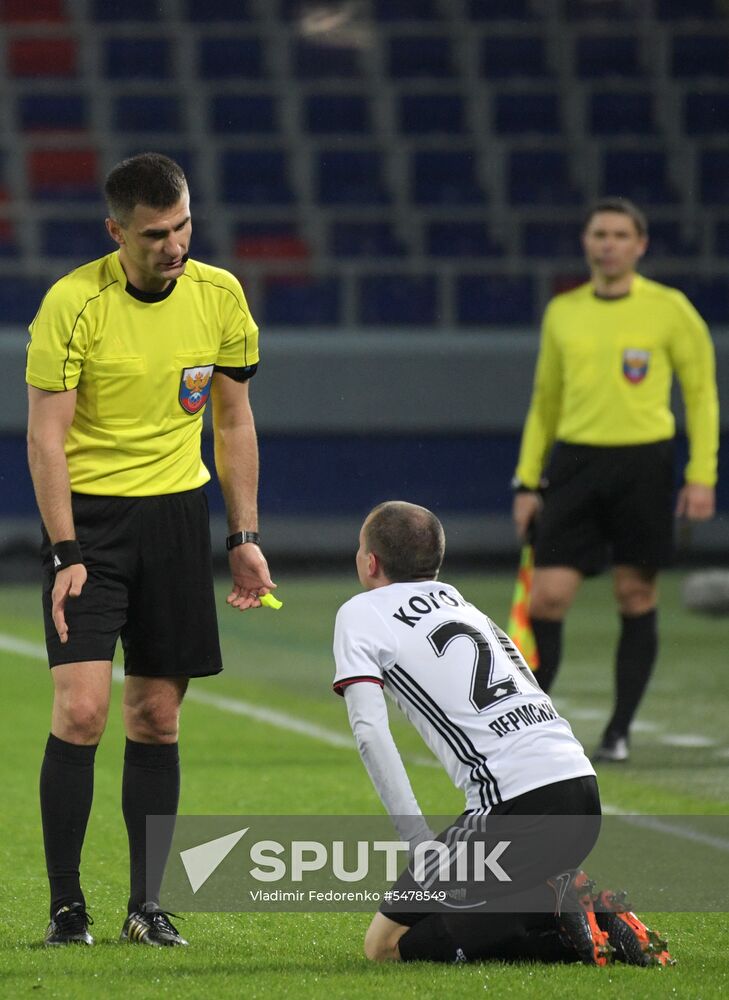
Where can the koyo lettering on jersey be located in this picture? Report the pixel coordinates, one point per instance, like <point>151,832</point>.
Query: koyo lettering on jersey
<point>422,604</point>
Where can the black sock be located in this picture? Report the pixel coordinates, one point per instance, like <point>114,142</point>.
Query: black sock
<point>150,787</point>
<point>636,657</point>
<point>66,791</point>
<point>548,635</point>
<point>428,941</point>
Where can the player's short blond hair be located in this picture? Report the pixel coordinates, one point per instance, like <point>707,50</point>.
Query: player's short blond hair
<point>408,540</point>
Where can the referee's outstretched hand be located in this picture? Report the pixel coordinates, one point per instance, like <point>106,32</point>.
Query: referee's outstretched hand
<point>251,578</point>
<point>69,583</point>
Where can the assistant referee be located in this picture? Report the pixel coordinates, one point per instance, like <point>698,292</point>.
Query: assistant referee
<point>125,353</point>
<point>609,350</point>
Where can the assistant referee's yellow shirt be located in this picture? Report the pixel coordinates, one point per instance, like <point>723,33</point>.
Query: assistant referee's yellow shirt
<point>142,370</point>
<point>604,373</point>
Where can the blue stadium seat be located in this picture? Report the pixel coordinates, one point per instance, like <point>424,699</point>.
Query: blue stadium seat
<point>310,61</point>
<point>707,113</point>
<point>350,177</point>
<point>325,114</point>
<point>83,240</point>
<point>124,10</point>
<point>621,113</point>
<point>502,57</point>
<point>255,177</point>
<point>700,55</point>
<point>41,111</point>
<point>364,239</point>
<point>243,113</point>
<point>600,56</point>
<point>460,239</point>
<point>540,177</point>
<point>516,114</point>
<point>425,114</point>
<point>137,58</point>
<point>721,238</point>
<point>445,177</point>
<point>422,56</point>
<point>638,174</point>
<point>20,298</point>
<point>501,299</point>
<point>714,176</point>
<point>602,10</point>
<point>678,10</point>
<point>709,295</point>
<point>217,10</point>
<point>406,10</point>
<point>301,301</point>
<point>668,239</point>
<point>398,300</point>
<point>147,113</point>
<point>500,10</point>
<point>549,239</point>
<point>224,58</point>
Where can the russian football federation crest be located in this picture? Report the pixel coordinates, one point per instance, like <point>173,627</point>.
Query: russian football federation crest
<point>635,365</point>
<point>195,387</point>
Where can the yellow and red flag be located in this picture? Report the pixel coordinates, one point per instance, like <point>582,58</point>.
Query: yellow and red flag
<point>519,628</point>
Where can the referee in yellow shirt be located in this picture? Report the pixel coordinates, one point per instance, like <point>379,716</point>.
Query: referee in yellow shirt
<point>125,353</point>
<point>608,352</point>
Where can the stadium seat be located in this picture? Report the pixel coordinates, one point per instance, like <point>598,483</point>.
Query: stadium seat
<point>700,55</point>
<point>445,177</point>
<point>270,241</point>
<point>598,10</point>
<point>8,243</point>
<point>601,56</point>
<point>427,114</point>
<point>216,10</point>
<point>502,57</point>
<point>350,177</point>
<point>500,10</point>
<point>243,113</point>
<point>709,295</point>
<point>549,239</point>
<point>132,58</point>
<point>63,174</point>
<point>398,300</point>
<point>301,302</point>
<point>638,174</point>
<point>20,298</point>
<point>406,10</point>
<point>156,113</point>
<point>678,10</point>
<point>540,177</point>
<point>41,57</point>
<point>364,239</point>
<point>310,61</point>
<point>82,240</point>
<point>721,237</point>
<point>621,113</point>
<point>707,113</point>
<point>124,10</point>
<point>530,111</point>
<point>255,177</point>
<point>231,58</point>
<point>325,114</point>
<point>714,176</point>
<point>39,111</point>
<point>23,12</point>
<point>669,239</point>
<point>423,56</point>
<point>494,299</point>
<point>460,239</point>
<point>184,155</point>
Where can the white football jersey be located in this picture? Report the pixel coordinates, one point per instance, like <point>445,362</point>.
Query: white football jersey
<point>464,686</point>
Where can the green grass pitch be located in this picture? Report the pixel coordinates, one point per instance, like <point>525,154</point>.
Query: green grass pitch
<point>282,661</point>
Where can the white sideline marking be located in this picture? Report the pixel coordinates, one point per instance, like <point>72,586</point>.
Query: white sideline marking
<point>688,740</point>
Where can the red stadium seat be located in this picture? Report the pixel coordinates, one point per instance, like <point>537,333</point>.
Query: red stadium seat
<point>63,173</point>
<point>21,11</point>
<point>34,57</point>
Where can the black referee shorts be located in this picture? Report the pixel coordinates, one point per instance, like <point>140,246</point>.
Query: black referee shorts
<point>150,581</point>
<point>607,505</point>
<point>549,830</point>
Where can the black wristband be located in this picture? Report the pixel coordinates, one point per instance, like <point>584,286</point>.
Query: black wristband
<point>66,553</point>
<point>241,537</point>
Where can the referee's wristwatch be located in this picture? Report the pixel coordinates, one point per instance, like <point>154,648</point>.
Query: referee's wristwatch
<point>517,486</point>
<point>241,537</point>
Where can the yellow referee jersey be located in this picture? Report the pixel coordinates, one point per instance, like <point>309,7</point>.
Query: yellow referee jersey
<point>142,365</point>
<point>604,372</point>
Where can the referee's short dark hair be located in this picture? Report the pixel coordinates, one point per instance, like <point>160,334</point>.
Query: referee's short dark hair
<point>408,540</point>
<point>148,179</point>
<point>622,205</point>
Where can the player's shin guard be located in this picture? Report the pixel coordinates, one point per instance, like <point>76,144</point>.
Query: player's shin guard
<point>636,657</point>
<point>150,787</point>
<point>66,791</point>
